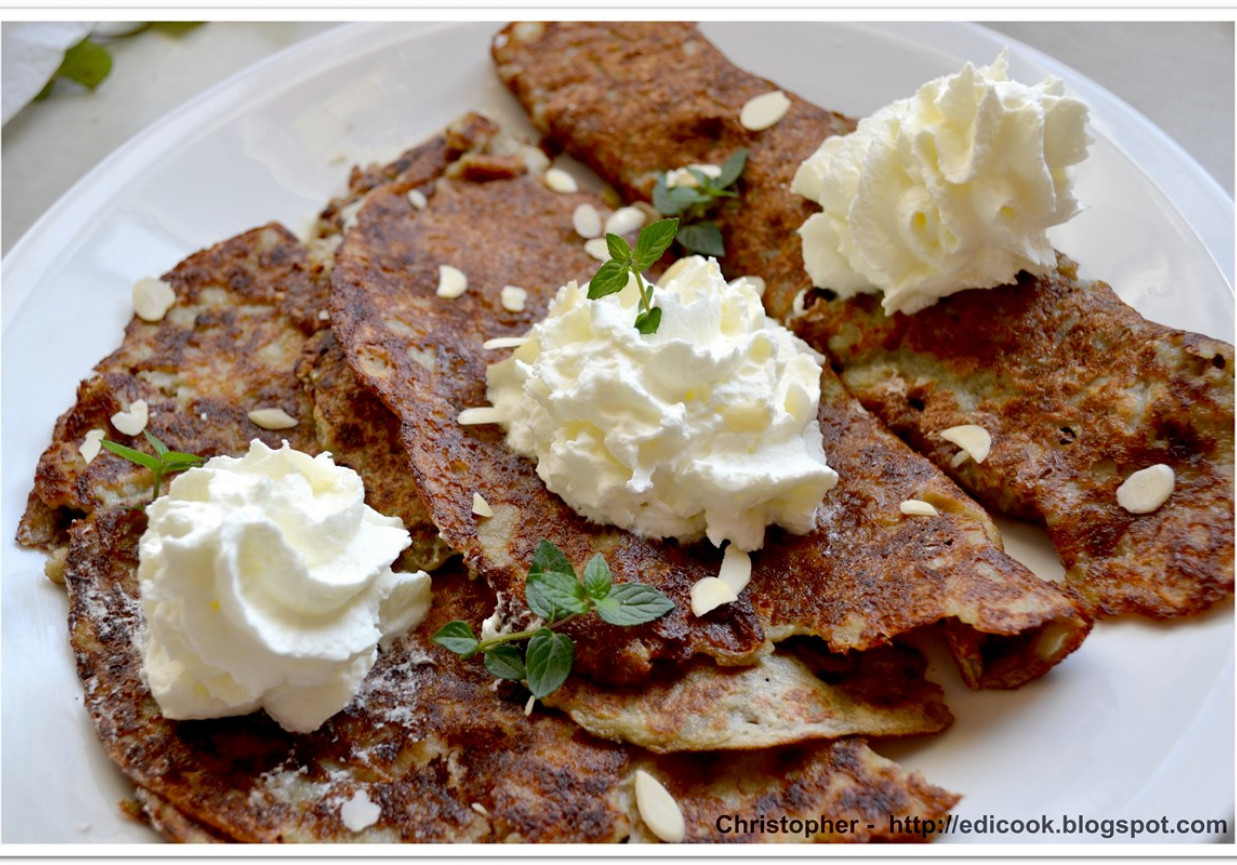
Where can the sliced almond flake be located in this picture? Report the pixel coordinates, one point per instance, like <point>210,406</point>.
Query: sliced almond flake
<point>504,342</point>
<point>709,594</point>
<point>451,281</point>
<point>480,506</point>
<point>272,418</point>
<point>348,216</point>
<point>480,809</point>
<point>560,181</point>
<point>586,221</point>
<point>736,569</point>
<point>1146,490</point>
<point>973,439</point>
<point>528,707</point>
<point>479,415</point>
<point>359,812</point>
<point>625,220</point>
<point>761,112</point>
<point>132,421</point>
<point>597,248</point>
<point>513,298</point>
<point>918,508</point>
<point>91,445</point>
<point>152,298</point>
<point>417,199</point>
<point>658,809</point>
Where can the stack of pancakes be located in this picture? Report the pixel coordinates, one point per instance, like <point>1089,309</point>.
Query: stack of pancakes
<point>761,707</point>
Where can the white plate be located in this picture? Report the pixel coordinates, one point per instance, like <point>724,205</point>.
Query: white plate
<point>1137,725</point>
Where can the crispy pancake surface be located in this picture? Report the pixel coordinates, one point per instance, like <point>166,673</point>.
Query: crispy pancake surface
<point>1077,390</point>
<point>244,309</point>
<point>442,754</point>
<point>1071,418</point>
<point>867,575</point>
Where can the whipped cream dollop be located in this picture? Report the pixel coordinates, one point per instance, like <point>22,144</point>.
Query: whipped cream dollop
<point>706,427</point>
<point>950,189</point>
<point>266,583</point>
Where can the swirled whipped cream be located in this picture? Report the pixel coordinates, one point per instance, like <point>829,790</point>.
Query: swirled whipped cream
<point>706,427</point>
<point>266,583</point>
<point>950,189</point>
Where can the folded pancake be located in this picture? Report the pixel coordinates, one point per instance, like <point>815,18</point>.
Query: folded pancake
<point>781,698</point>
<point>227,346</point>
<point>441,753</point>
<point>246,310</point>
<point>1076,389</point>
<point>867,575</point>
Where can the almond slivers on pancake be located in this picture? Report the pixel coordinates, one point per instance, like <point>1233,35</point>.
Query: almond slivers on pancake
<point>423,713</point>
<point>1076,389</point>
<point>867,575</point>
<point>442,754</point>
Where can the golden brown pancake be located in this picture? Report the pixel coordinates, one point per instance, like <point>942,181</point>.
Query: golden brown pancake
<point>243,311</point>
<point>415,723</point>
<point>443,754</point>
<point>782,698</point>
<point>867,575</point>
<point>1077,390</point>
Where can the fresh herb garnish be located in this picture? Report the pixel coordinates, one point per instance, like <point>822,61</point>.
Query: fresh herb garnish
<point>612,276</point>
<point>557,595</point>
<point>693,204</point>
<point>163,462</point>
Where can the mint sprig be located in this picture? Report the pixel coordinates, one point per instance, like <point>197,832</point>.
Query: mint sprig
<point>693,204</point>
<point>556,594</point>
<point>624,262</point>
<point>163,462</point>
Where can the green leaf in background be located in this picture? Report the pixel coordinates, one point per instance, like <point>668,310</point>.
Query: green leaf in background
<point>87,63</point>
<point>731,169</point>
<point>703,238</point>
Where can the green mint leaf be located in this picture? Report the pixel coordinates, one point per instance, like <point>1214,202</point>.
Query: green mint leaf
<point>136,456</point>
<point>548,557</point>
<point>633,604</point>
<point>654,240</point>
<point>505,662</point>
<point>610,278</point>
<point>457,637</point>
<point>664,199</point>
<point>177,461</point>
<point>558,592</point>
<point>674,200</point>
<point>619,249</point>
<point>160,447</point>
<point>548,661</point>
<point>648,322</point>
<point>597,578</point>
<point>703,238</point>
<point>87,63</point>
<point>538,602</point>
<point>703,182</point>
<point>731,169</point>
